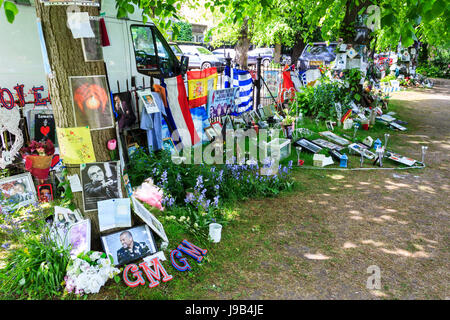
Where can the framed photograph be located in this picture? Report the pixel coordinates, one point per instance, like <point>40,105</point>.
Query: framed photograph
<point>79,236</point>
<point>217,126</point>
<point>149,219</point>
<point>17,191</point>
<point>210,133</point>
<point>66,216</point>
<point>45,192</point>
<point>148,100</point>
<point>169,145</point>
<point>124,108</point>
<point>327,144</point>
<point>114,213</point>
<point>335,138</point>
<point>91,102</point>
<point>129,245</point>
<point>92,47</point>
<point>228,123</point>
<point>100,181</point>
<point>308,145</point>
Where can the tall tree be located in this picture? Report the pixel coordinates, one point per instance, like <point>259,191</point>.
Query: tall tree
<point>66,59</point>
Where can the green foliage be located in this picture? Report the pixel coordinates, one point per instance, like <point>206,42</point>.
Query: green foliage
<point>437,66</point>
<point>196,195</point>
<point>388,78</point>
<point>185,31</point>
<point>36,264</point>
<point>10,10</point>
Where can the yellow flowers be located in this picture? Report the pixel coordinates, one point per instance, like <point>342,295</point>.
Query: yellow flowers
<point>26,251</point>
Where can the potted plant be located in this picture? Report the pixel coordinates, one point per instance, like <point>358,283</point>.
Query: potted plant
<point>288,125</point>
<point>39,158</point>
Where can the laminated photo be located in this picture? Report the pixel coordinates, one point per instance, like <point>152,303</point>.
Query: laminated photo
<point>100,181</point>
<point>129,245</point>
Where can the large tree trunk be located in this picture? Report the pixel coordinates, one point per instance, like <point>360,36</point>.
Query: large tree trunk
<point>66,59</point>
<point>242,46</point>
<point>277,53</point>
<point>297,49</point>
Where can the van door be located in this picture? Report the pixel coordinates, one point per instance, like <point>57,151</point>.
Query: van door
<point>151,54</point>
<point>117,55</point>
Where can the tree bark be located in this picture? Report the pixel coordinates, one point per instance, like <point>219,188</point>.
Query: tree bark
<point>277,53</point>
<point>242,46</point>
<point>297,49</point>
<point>66,59</point>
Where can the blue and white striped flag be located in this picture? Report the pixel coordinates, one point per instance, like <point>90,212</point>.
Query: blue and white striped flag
<point>243,80</point>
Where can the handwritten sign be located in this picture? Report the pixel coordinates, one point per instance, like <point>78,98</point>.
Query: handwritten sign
<point>75,145</point>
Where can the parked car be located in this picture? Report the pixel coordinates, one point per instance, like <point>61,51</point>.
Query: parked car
<point>316,54</point>
<point>223,53</point>
<point>176,50</point>
<point>201,58</point>
<point>265,53</point>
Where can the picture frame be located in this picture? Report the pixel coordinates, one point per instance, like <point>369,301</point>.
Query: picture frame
<point>217,126</point>
<point>66,217</point>
<point>147,97</point>
<point>79,237</point>
<point>308,145</point>
<point>139,238</point>
<point>169,145</point>
<point>210,133</point>
<point>45,192</point>
<point>149,219</point>
<point>228,123</point>
<point>94,176</point>
<point>17,191</point>
<point>92,47</point>
<point>335,138</point>
<point>91,102</point>
<point>326,144</point>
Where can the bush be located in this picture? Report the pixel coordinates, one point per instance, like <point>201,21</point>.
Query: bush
<point>437,66</point>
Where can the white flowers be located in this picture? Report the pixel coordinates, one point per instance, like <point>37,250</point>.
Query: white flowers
<point>89,272</point>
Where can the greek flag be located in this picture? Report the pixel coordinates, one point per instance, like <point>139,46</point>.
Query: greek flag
<point>391,89</point>
<point>243,80</point>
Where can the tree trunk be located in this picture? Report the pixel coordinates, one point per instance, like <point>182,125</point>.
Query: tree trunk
<point>66,59</point>
<point>297,49</point>
<point>242,46</point>
<point>277,53</point>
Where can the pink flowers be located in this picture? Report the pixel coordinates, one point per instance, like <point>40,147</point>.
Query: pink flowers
<point>112,144</point>
<point>150,194</point>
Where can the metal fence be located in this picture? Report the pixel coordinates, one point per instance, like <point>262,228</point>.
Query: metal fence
<point>266,81</point>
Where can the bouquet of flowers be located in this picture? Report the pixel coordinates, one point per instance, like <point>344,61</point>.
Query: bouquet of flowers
<point>150,194</point>
<point>88,272</point>
<point>39,148</point>
<point>39,158</point>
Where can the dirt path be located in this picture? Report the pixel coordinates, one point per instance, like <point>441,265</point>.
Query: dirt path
<point>319,243</point>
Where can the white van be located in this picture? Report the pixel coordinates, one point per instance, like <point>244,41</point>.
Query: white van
<point>137,51</point>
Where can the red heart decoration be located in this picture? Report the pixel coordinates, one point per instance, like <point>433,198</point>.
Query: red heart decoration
<point>45,130</point>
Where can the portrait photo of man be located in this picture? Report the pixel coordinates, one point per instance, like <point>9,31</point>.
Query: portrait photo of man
<point>130,250</point>
<point>129,245</point>
<point>100,182</point>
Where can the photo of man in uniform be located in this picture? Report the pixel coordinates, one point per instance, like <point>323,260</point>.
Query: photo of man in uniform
<point>131,250</point>
<point>100,186</point>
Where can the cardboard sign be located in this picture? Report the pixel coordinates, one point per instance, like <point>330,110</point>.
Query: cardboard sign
<point>222,102</point>
<point>44,127</point>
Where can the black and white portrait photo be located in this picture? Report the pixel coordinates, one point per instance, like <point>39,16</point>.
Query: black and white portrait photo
<point>100,181</point>
<point>129,245</point>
